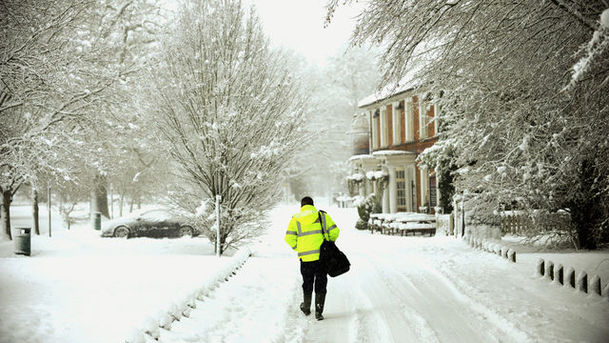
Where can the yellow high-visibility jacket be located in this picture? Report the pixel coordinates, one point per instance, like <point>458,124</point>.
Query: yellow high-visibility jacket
<point>304,233</point>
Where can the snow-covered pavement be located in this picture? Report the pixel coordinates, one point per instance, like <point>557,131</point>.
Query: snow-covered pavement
<point>78,287</point>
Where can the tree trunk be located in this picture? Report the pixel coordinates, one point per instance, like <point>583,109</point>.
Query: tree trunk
<point>99,196</point>
<point>35,211</point>
<point>120,211</point>
<point>6,214</point>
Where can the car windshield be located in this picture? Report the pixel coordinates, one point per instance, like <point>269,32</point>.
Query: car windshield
<point>155,215</point>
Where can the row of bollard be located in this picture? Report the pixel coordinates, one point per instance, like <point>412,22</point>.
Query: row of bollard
<point>495,248</point>
<point>561,276</point>
<point>164,319</point>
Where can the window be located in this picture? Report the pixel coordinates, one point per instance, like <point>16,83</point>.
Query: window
<point>430,122</point>
<point>397,124</point>
<point>400,178</point>
<point>375,130</point>
<point>423,130</point>
<point>409,121</point>
<point>433,191</point>
<point>384,131</point>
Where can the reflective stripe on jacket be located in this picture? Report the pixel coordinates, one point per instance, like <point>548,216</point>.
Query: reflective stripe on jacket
<point>304,233</point>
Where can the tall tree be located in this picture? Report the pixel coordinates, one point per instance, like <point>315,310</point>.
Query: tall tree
<point>524,97</point>
<point>230,114</point>
<point>48,84</point>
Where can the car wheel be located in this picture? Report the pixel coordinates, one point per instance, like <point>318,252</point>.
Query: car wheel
<point>121,232</point>
<point>186,231</point>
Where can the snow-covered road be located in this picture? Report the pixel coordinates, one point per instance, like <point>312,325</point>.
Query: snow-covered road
<point>400,289</point>
<point>78,287</point>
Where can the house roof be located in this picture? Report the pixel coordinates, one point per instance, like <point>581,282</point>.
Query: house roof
<point>408,82</point>
<point>391,152</point>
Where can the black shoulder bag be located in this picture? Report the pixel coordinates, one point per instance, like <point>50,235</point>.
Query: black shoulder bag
<point>333,260</point>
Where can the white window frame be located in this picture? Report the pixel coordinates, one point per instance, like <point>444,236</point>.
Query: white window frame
<point>384,127</point>
<point>422,117</point>
<point>436,118</point>
<point>409,126</point>
<point>375,132</point>
<point>411,178</point>
<point>397,137</point>
<point>424,182</point>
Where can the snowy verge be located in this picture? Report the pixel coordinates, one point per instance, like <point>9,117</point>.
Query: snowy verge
<point>180,307</point>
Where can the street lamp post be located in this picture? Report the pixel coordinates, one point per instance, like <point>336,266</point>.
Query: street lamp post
<point>218,198</point>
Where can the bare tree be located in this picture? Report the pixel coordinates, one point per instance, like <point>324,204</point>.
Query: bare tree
<point>230,113</point>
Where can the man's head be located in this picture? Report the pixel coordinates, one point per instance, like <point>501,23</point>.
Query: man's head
<point>306,201</point>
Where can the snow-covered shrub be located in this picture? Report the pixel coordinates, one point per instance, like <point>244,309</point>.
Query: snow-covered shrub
<point>368,206</point>
<point>361,225</point>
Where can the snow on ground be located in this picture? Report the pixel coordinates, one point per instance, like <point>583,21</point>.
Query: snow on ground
<point>78,287</point>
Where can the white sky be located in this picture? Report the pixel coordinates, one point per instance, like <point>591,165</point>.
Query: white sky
<point>299,25</point>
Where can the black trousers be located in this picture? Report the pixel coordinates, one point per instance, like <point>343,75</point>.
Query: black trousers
<point>313,274</point>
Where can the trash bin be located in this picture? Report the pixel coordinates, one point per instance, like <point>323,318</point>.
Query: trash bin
<point>23,241</point>
<point>96,221</point>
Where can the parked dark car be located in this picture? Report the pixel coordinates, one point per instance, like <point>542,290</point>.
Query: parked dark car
<point>155,223</point>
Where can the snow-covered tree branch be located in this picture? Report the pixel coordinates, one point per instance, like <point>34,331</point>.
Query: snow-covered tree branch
<point>517,138</point>
<point>230,113</point>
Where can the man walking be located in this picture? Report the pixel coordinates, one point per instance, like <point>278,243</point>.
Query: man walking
<point>304,235</point>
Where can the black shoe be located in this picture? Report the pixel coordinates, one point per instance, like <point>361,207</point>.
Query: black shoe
<point>305,306</point>
<point>320,299</point>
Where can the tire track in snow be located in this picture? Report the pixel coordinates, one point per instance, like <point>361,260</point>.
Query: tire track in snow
<point>508,328</point>
<point>352,310</point>
<point>363,318</point>
<point>420,328</point>
<point>429,285</point>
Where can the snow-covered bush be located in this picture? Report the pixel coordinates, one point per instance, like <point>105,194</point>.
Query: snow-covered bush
<point>361,225</point>
<point>365,208</point>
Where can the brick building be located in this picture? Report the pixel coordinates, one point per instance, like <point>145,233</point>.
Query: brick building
<point>402,123</point>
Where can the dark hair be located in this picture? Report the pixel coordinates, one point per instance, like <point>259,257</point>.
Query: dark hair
<point>306,201</point>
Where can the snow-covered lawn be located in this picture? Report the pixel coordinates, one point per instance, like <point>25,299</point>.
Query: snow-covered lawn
<point>78,287</point>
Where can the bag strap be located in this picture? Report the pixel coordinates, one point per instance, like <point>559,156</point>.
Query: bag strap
<point>323,231</point>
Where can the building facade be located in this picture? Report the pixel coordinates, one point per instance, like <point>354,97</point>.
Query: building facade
<point>402,124</point>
